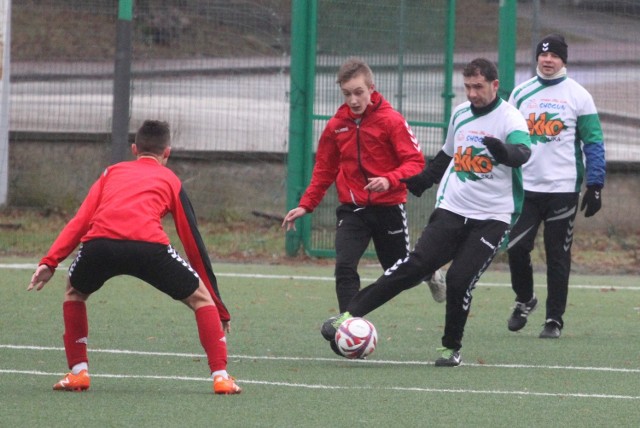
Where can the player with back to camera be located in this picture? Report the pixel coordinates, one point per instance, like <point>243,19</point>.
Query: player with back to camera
<point>565,131</point>
<point>119,230</point>
<point>479,197</point>
<point>365,148</point>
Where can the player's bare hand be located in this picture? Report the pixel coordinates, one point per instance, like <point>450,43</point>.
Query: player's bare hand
<point>378,184</point>
<point>40,277</point>
<point>226,326</point>
<point>290,219</point>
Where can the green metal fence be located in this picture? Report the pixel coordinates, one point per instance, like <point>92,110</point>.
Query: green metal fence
<point>219,72</point>
<point>409,46</point>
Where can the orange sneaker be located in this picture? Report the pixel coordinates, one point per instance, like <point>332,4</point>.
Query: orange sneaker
<point>71,382</point>
<point>225,386</point>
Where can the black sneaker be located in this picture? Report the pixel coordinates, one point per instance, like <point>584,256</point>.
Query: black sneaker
<point>551,330</point>
<point>330,326</point>
<point>334,347</point>
<point>449,358</point>
<point>520,313</point>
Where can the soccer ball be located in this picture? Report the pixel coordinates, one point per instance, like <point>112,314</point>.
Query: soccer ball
<point>356,338</point>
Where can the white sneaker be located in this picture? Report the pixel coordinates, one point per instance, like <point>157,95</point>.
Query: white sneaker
<point>438,286</point>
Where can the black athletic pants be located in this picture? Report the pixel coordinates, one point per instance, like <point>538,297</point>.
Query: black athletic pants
<point>469,244</point>
<point>355,228</point>
<point>558,211</point>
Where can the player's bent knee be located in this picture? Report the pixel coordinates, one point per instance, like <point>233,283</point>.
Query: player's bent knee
<point>73,295</point>
<point>199,298</point>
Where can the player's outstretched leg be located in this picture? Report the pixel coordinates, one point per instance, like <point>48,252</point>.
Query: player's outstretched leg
<point>212,339</point>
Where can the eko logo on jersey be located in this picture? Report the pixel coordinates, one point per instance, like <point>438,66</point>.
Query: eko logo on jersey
<point>544,127</point>
<point>471,165</point>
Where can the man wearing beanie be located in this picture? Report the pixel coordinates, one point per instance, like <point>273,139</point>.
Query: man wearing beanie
<point>566,137</point>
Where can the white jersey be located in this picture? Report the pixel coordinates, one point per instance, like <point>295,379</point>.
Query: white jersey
<point>559,117</point>
<point>475,185</point>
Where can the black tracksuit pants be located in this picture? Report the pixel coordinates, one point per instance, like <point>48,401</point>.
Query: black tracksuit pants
<point>470,245</point>
<point>356,227</point>
<point>558,212</point>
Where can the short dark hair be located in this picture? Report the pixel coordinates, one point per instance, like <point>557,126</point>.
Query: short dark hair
<point>482,67</point>
<point>153,137</point>
<point>353,67</point>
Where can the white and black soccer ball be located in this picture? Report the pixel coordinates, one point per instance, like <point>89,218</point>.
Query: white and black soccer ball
<point>356,338</point>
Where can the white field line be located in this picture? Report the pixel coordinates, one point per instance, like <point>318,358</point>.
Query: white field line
<point>331,387</point>
<point>328,387</point>
<point>31,266</point>
<point>284,358</point>
<point>339,387</point>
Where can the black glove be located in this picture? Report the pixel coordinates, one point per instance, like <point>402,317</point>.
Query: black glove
<point>497,148</point>
<point>418,183</point>
<point>592,200</point>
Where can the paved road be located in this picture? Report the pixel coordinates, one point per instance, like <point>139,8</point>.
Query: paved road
<point>214,107</point>
<point>251,112</point>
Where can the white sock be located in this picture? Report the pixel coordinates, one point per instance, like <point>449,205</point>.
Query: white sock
<point>222,373</point>
<point>79,367</point>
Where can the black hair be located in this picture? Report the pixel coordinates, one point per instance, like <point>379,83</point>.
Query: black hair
<point>153,137</point>
<point>483,67</point>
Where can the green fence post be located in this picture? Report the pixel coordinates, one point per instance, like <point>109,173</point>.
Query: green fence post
<point>121,83</point>
<point>310,69</point>
<point>507,39</point>
<point>300,110</point>
<point>401,49</point>
<point>448,93</point>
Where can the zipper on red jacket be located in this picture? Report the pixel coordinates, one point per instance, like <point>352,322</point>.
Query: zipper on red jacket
<point>364,173</point>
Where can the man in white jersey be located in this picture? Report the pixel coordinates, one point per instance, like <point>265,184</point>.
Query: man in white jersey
<point>480,195</point>
<point>565,132</point>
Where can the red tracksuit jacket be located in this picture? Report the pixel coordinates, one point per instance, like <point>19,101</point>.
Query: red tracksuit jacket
<point>352,149</point>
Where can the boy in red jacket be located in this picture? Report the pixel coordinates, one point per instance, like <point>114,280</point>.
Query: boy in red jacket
<point>365,148</point>
<point>119,230</point>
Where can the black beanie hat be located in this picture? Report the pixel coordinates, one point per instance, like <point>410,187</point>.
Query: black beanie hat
<point>553,43</point>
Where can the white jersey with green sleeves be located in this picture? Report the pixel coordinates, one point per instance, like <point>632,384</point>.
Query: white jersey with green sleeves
<point>559,117</point>
<point>475,185</point>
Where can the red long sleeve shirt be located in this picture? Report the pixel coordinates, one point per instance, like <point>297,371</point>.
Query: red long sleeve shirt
<point>352,149</point>
<point>128,202</point>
